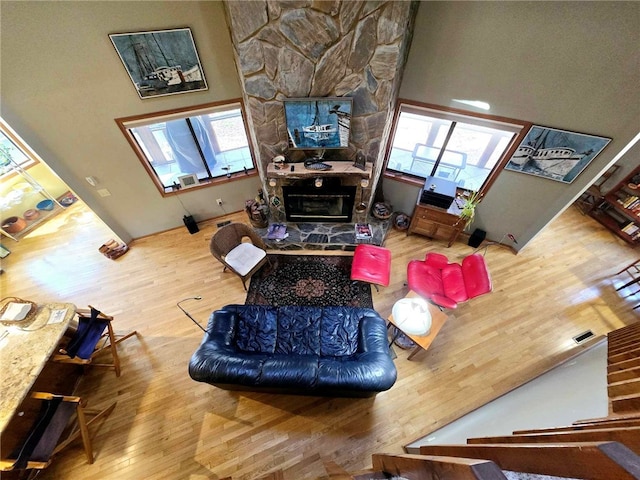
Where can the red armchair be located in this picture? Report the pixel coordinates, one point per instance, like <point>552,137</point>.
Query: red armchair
<point>447,284</point>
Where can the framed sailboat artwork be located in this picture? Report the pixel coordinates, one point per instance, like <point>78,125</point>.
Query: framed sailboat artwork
<point>555,154</point>
<point>161,62</point>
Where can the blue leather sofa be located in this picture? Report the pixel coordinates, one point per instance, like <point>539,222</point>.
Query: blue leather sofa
<point>332,351</point>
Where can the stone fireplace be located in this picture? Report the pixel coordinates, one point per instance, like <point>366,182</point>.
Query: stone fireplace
<point>320,48</point>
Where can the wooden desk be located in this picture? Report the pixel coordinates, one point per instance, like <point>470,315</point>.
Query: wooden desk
<point>423,342</point>
<point>24,353</point>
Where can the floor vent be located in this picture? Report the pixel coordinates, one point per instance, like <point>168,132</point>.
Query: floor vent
<point>584,336</point>
<point>222,224</point>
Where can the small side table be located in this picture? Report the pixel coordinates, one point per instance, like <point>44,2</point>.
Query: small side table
<point>438,319</point>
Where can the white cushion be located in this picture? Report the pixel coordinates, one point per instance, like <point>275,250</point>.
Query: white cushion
<point>244,257</point>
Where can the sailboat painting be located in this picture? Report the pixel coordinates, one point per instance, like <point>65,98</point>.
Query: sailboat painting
<point>162,62</point>
<point>555,154</point>
<point>318,122</point>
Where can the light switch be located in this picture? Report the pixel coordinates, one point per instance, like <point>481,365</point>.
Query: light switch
<point>103,192</point>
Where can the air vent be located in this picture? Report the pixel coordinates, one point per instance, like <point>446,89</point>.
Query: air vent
<point>583,337</point>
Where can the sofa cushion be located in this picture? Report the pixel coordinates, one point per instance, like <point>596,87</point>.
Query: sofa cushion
<point>453,283</point>
<point>298,330</point>
<point>256,330</point>
<point>339,334</point>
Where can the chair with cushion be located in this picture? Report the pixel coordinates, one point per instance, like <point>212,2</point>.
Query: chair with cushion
<point>244,258</point>
<point>447,284</point>
<point>93,336</point>
<point>58,413</point>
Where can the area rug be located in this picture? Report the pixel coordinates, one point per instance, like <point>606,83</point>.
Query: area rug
<point>315,280</point>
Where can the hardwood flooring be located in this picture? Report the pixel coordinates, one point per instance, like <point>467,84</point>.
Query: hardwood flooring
<point>166,426</point>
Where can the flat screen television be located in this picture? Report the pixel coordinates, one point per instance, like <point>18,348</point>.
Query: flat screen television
<point>323,123</point>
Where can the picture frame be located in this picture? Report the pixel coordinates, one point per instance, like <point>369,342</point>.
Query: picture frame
<point>360,161</point>
<point>160,62</point>
<point>555,154</point>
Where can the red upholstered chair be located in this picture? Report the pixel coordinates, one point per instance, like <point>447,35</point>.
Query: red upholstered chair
<point>447,284</point>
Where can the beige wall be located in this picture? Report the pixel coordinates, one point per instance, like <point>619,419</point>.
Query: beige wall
<point>568,65</point>
<point>62,85</point>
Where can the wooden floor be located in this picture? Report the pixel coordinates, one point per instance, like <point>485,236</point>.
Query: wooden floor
<point>166,426</point>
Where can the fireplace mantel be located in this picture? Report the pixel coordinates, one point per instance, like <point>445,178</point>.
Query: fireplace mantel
<point>338,169</point>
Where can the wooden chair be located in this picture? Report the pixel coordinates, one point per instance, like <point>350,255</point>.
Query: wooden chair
<point>93,336</point>
<point>242,258</point>
<point>42,442</point>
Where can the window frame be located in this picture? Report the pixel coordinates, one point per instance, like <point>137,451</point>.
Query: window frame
<point>443,112</point>
<point>125,124</point>
<point>32,158</point>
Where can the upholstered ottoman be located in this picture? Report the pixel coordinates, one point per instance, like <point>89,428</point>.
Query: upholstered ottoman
<point>371,264</point>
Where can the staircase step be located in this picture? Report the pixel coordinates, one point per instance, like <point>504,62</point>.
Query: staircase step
<point>610,419</point>
<point>634,327</point>
<point>629,436</point>
<point>622,345</point>
<point>429,466</point>
<point>624,387</point>
<point>621,423</point>
<point>623,337</point>
<point>623,365</point>
<point>593,460</point>
<point>626,355</point>
<point>626,404</point>
<point>620,375</point>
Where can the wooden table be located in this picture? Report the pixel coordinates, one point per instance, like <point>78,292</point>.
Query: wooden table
<point>24,351</point>
<point>423,342</point>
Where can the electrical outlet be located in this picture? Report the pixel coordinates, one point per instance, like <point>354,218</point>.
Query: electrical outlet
<point>219,201</point>
<point>103,192</point>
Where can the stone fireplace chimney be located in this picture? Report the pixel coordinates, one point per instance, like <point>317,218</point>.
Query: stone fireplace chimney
<point>320,48</point>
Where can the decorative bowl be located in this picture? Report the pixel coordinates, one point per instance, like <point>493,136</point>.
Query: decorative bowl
<point>45,205</point>
<point>14,224</point>
<point>31,214</point>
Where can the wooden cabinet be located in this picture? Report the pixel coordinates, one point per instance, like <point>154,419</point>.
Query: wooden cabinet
<point>437,223</point>
<point>620,209</point>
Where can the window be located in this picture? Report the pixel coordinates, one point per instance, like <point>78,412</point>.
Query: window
<point>209,141</point>
<point>12,149</point>
<point>461,147</point>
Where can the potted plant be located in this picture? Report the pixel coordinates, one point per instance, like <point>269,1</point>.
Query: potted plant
<point>468,210</point>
